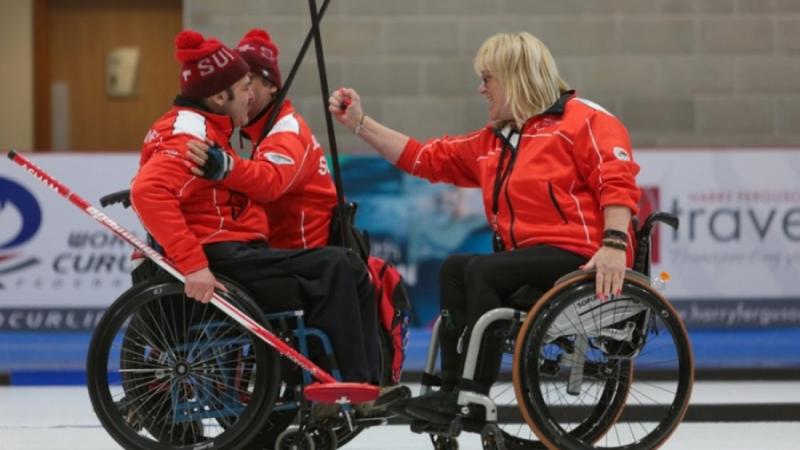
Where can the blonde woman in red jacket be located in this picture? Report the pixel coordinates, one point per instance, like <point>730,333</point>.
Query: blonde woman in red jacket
<point>288,174</point>
<point>558,181</point>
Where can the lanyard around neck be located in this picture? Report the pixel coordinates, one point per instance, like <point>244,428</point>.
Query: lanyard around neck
<point>509,151</point>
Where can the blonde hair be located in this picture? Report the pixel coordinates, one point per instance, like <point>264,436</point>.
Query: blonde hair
<point>525,70</point>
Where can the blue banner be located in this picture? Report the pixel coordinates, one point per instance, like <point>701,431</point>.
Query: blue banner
<point>415,225</point>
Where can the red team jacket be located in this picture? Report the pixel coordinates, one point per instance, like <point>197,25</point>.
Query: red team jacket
<point>182,211</point>
<point>571,162</point>
<point>289,176</point>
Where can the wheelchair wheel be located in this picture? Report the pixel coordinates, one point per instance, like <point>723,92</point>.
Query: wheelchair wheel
<point>603,374</point>
<point>444,443</point>
<point>294,439</point>
<point>324,438</point>
<point>165,371</point>
<point>517,435</point>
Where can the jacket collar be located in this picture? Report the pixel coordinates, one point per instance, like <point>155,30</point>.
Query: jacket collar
<point>221,122</point>
<point>557,108</point>
<point>253,130</point>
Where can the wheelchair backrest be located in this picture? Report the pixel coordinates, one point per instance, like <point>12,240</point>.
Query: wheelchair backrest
<point>642,239</point>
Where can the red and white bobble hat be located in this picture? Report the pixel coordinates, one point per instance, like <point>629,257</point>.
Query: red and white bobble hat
<point>209,66</point>
<point>261,53</point>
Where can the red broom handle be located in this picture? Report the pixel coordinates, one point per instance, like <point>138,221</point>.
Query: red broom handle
<point>232,311</point>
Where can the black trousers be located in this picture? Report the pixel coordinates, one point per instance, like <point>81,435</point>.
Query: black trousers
<point>471,285</point>
<point>334,291</point>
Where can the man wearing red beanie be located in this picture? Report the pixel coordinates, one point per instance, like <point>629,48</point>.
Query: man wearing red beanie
<point>289,147</point>
<point>288,173</point>
<point>204,225</point>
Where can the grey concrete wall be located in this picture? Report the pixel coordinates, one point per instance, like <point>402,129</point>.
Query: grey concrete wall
<point>720,73</point>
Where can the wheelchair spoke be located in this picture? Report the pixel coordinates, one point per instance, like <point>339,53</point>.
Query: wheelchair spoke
<point>225,406</point>
<point>227,386</point>
<point>143,400</point>
<point>157,333</point>
<point>655,386</point>
<point>211,341</point>
<point>202,320</point>
<point>638,395</point>
<point>143,336</point>
<point>171,330</point>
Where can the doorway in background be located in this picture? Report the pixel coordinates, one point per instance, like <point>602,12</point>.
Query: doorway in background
<point>83,54</point>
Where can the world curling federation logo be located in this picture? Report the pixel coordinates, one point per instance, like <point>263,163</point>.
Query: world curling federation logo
<point>20,220</point>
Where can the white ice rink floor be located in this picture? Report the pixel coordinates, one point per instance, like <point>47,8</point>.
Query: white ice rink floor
<point>61,418</point>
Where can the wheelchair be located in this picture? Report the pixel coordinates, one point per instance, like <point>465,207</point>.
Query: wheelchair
<point>166,372</point>
<point>584,372</point>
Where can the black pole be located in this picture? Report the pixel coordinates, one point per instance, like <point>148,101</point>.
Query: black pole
<point>288,81</point>
<point>323,79</point>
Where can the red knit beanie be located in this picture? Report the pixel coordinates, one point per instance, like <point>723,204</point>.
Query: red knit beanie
<point>257,48</point>
<point>208,66</point>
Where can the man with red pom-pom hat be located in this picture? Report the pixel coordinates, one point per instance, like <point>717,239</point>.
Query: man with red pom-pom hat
<point>204,225</point>
<point>312,192</point>
<point>288,173</point>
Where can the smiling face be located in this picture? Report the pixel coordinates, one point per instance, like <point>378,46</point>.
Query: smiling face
<point>234,101</point>
<point>518,77</point>
<point>499,109</point>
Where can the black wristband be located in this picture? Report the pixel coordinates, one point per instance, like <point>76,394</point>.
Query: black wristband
<point>616,244</point>
<point>615,234</point>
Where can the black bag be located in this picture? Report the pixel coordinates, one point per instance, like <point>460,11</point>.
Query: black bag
<point>355,239</point>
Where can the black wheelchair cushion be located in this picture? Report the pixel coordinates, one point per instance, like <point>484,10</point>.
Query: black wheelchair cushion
<point>524,297</point>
